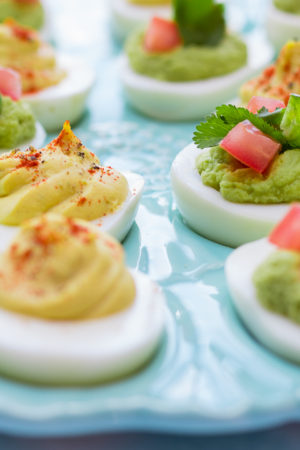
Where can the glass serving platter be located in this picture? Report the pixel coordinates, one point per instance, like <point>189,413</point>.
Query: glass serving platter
<point>210,374</point>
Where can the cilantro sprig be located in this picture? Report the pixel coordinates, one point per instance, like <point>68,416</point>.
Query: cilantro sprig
<point>201,22</point>
<point>226,117</point>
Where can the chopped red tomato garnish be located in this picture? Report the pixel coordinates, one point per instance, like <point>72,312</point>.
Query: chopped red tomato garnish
<point>271,104</point>
<point>286,234</point>
<point>250,146</point>
<point>21,32</point>
<point>162,35</point>
<point>10,83</point>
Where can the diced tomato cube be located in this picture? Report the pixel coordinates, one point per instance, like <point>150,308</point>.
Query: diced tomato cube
<point>250,146</point>
<point>20,31</point>
<point>162,35</point>
<point>271,104</point>
<point>10,83</point>
<point>286,234</point>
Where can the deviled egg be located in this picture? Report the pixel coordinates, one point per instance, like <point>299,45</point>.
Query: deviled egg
<point>283,21</point>
<point>70,310</point>
<point>181,69</point>
<point>18,127</point>
<point>66,178</point>
<point>263,279</point>
<point>126,15</point>
<point>56,89</point>
<point>239,183</point>
<point>279,80</point>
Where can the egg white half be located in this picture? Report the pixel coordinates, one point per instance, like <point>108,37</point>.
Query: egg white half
<point>117,224</point>
<point>177,101</point>
<point>275,331</point>
<point>209,214</point>
<point>282,26</point>
<point>126,17</point>
<point>37,141</point>
<point>74,352</point>
<point>66,100</point>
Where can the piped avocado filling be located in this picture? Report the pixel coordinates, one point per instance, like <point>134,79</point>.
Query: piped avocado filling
<point>277,283</point>
<point>240,184</point>
<point>17,123</point>
<point>187,63</point>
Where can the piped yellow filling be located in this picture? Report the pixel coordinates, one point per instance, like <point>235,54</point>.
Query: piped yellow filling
<point>64,269</point>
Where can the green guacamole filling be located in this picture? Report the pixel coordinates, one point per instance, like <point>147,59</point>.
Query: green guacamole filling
<point>277,283</point>
<point>187,63</point>
<point>291,6</point>
<point>240,184</point>
<point>29,15</point>
<point>17,123</point>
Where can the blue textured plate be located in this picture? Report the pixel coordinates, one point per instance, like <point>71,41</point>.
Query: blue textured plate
<point>209,375</point>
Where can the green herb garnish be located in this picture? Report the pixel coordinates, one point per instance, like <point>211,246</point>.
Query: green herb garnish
<point>273,118</point>
<point>0,104</point>
<point>226,117</point>
<point>201,22</point>
<point>290,123</point>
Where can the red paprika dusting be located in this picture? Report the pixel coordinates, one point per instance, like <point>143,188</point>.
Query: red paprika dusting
<point>81,201</point>
<point>13,249</point>
<point>41,236</point>
<point>28,160</point>
<point>76,228</point>
<point>269,71</point>
<point>27,163</point>
<point>114,248</point>
<point>19,259</point>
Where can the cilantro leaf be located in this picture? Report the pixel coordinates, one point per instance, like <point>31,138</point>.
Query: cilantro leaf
<point>201,22</point>
<point>211,132</point>
<point>226,117</point>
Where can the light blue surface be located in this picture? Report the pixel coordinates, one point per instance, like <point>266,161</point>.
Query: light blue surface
<point>209,375</point>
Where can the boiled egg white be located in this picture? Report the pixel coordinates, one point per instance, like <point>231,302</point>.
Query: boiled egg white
<point>119,223</point>
<point>116,224</point>
<point>126,16</point>
<point>209,214</point>
<point>37,141</point>
<point>177,101</point>
<point>275,331</point>
<point>282,26</point>
<point>66,100</point>
<point>81,352</point>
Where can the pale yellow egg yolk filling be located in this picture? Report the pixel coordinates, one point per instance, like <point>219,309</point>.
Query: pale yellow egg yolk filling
<point>64,177</point>
<point>22,50</point>
<point>64,269</point>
